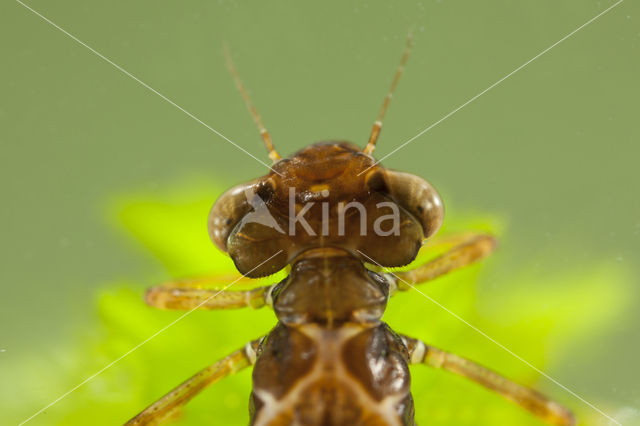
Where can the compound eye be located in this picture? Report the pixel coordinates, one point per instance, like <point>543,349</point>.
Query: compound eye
<point>229,209</point>
<point>414,194</point>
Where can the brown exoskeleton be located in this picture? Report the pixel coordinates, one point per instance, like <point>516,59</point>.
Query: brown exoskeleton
<point>327,211</point>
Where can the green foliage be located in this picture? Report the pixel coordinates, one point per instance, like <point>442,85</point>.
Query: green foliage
<point>539,321</point>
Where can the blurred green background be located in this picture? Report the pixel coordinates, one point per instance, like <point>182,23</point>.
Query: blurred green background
<point>106,188</point>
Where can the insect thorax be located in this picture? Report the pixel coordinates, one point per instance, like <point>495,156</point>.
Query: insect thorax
<point>330,287</point>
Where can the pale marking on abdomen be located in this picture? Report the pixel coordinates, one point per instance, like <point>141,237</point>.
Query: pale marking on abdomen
<point>328,359</point>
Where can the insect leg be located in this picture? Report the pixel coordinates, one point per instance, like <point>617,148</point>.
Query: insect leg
<point>189,295</point>
<point>168,405</point>
<point>470,249</point>
<point>549,411</point>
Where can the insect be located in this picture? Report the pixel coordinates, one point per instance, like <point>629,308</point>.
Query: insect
<point>330,360</point>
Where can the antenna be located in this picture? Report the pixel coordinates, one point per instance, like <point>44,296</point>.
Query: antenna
<point>377,126</point>
<point>273,154</point>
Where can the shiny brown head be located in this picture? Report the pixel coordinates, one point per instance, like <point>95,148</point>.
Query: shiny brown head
<point>328,195</point>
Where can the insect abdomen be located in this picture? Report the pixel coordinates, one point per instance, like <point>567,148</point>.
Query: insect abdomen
<point>353,375</point>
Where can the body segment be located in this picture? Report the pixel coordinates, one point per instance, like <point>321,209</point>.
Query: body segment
<point>330,361</point>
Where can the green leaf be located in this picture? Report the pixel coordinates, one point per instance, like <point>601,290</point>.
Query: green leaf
<point>542,322</point>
